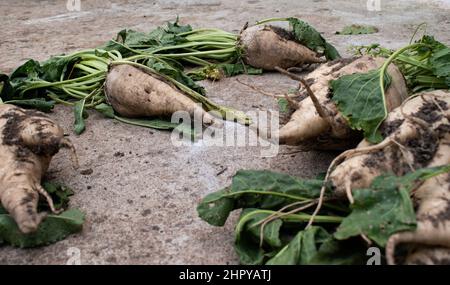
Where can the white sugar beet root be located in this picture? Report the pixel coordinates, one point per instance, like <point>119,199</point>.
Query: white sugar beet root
<point>29,139</point>
<point>135,93</point>
<point>267,47</point>
<point>417,135</point>
<point>429,255</point>
<point>308,128</point>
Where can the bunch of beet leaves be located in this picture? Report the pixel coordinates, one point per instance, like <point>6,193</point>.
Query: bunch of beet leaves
<point>425,64</point>
<point>77,79</point>
<point>273,228</point>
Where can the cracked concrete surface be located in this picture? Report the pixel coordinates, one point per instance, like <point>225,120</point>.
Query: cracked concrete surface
<point>141,196</point>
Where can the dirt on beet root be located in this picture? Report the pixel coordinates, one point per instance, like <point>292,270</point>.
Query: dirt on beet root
<point>430,112</point>
<point>14,126</point>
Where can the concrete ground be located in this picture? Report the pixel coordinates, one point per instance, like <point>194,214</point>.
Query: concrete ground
<point>141,196</point>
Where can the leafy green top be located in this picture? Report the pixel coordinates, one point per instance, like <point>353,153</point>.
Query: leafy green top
<point>361,101</point>
<point>361,97</point>
<point>311,38</point>
<point>127,39</point>
<point>267,234</point>
<point>256,189</point>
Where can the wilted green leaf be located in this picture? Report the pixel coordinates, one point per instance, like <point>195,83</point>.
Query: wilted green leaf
<point>175,73</point>
<point>336,252</point>
<point>159,124</point>
<point>302,248</point>
<point>268,181</point>
<point>176,28</point>
<point>378,214</point>
<point>248,234</point>
<point>24,77</point>
<point>38,104</point>
<point>79,113</point>
<point>358,30</point>
<point>215,209</point>
<point>311,38</point>
<point>51,230</point>
<point>210,72</point>
<point>106,109</point>
<point>20,78</point>
<point>256,189</point>
<point>30,69</point>
<point>360,99</point>
<point>6,89</point>
<point>331,52</point>
<point>249,251</point>
<point>440,62</point>
<point>156,38</point>
<point>55,67</point>
<point>134,38</point>
<point>250,224</point>
<point>386,207</point>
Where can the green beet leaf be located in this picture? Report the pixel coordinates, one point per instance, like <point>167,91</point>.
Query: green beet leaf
<point>176,28</point>
<point>249,251</point>
<point>256,189</point>
<point>79,113</point>
<point>248,235</point>
<point>55,67</point>
<point>106,109</point>
<point>302,248</point>
<point>249,223</point>
<point>28,75</point>
<point>340,252</point>
<point>274,183</point>
<point>386,207</point>
<point>215,208</point>
<point>175,73</point>
<point>360,99</point>
<point>22,77</point>
<point>39,104</point>
<point>378,215</point>
<point>440,62</point>
<point>54,228</point>
<point>158,124</point>
<point>127,40</point>
<point>311,38</point>
<point>132,38</point>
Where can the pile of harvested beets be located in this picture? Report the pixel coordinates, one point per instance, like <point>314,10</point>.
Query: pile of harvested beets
<point>386,111</point>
